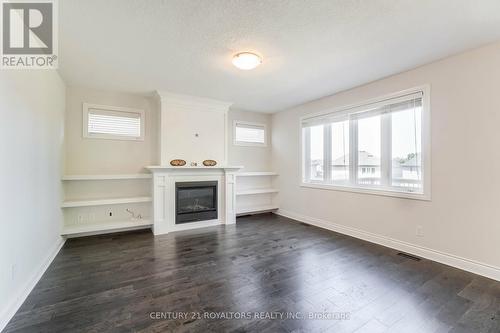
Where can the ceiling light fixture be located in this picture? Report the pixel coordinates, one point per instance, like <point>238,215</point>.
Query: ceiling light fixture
<point>246,60</point>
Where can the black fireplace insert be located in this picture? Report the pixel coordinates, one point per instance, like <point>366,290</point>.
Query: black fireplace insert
<point>195,201</point>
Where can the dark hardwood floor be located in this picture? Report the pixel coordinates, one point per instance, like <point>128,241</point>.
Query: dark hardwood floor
<point>265,266</point>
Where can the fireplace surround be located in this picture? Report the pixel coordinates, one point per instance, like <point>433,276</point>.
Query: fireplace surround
<point>165,179</point>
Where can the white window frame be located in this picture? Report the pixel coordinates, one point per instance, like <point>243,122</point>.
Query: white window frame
<point>249,144</point>
<point>341,113</point>
<point>112,110</point>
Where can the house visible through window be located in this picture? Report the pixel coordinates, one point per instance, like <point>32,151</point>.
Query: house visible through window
<point>108,122</point>
<point>251,134</point>
<point>378,146</point>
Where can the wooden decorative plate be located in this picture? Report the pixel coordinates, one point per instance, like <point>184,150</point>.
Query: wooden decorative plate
<point>209,163</point>
<point>177,162</point>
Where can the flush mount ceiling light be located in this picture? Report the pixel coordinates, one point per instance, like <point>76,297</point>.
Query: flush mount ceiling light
<point>246,60</point>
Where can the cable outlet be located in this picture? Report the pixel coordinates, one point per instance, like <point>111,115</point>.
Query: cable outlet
<point>109,213</point>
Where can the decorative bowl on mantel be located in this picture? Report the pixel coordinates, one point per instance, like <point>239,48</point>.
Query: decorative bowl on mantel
<point>177,163</point>
<point>209,163</point>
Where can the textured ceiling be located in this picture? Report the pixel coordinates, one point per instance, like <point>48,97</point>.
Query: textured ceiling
<point>311,48</point>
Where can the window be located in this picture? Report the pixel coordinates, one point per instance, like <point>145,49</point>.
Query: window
<point>316,153</point>
<point>111,122</point>
<point>379,147</point>
<point>340,151</point>
<point>249,134</point>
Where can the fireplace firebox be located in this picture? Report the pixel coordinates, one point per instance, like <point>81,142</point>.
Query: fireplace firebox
<point>195,201</point>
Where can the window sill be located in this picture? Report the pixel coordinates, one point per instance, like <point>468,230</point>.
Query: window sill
<point>113,137</point>
<point>249,144</point>
<point>366,190</point>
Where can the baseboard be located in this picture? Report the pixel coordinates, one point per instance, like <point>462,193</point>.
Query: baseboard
<point>469,265</point>
<point>16,303</point>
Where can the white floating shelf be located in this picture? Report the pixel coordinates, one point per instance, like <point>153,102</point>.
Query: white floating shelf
<point>102,202</point>
<point>256,173</point>
<point>257,191</point>
<point>108,177</point>
<point>256,209</point>
<point>104,227</point>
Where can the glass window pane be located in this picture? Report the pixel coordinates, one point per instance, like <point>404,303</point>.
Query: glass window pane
<point>340,151</point>
<point>250,134</point>
<point>316,150</point>
<point>407,149</point>
<point>99,123</point>
<point>369,150</point>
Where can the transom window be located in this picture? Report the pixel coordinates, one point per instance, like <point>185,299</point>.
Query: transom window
<point>112,122</point>
<point>249,134</point>
<point>379,147</point>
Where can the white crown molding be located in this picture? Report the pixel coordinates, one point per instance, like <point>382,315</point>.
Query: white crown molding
<point>188,101</point>
<point>465,264</point>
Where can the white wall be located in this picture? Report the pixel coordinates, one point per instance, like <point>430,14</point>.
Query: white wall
<point>192,129</point>
<point>94,156</point>
<point>97,156</point>
<point>31,146</point>
<point>463,217</point>
<point>252,158</point>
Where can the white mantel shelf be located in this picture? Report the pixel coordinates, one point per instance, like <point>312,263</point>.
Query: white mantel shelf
<point>192,168</point>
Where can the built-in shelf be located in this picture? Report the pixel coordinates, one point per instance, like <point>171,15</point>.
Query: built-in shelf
<point>69,230</point>
<point>102,202</point>
<point>254,183</point>
<point>256,173</point>
<point>256,209</point>
<point>257,191</point>
<point>108,177</point>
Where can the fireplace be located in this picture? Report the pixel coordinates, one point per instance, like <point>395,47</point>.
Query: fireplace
<point>195,201</point>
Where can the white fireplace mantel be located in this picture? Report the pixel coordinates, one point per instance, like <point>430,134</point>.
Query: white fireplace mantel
<point>184,169</point>
<point>164,179</point>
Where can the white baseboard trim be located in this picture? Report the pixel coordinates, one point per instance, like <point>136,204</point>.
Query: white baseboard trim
<point>11,309</point>
<point>469,265</point>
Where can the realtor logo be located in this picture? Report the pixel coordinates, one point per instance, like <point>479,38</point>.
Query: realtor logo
<point>29,34</point>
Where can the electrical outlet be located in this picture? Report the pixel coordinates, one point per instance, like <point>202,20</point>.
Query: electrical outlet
<point>109,213</point>
<point>419,231</point>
